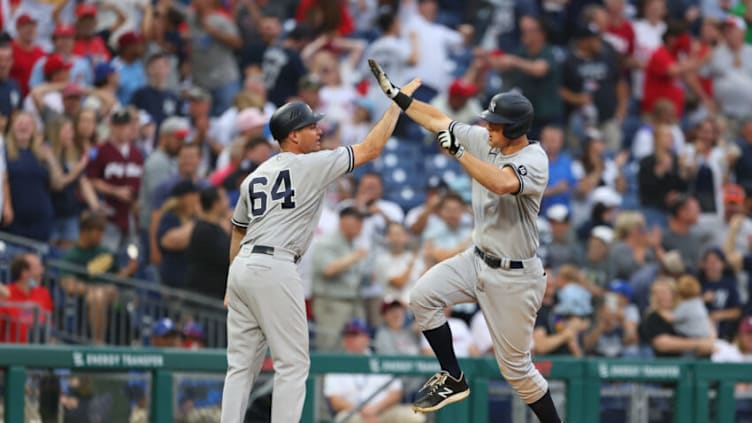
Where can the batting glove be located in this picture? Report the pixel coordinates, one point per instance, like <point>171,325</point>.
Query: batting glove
<point>385,83</point>
<point>448,142</point>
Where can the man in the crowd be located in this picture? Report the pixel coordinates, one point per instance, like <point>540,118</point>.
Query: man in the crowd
<point>22,324</point>
<point>25,51</point>
<point>155,97</point>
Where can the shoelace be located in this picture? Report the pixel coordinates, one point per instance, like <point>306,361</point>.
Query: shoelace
<point>435,381</point>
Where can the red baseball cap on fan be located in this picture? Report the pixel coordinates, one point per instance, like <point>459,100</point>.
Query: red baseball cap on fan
<point>462,88</point>
<point>25,19</point>
<point>64,30</point>
<point>86,9</point>
<point>55,63</point>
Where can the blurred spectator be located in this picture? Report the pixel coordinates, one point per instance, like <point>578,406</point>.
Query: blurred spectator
<point>90,44</point>
<point>559,324</point>
<point>605,203</point>
<point>459,103</point>
<point>663,114</point>
<point>614,333</point>
<point>393,52</point>
<point>25,51</point>
<point>282,63</point>
<point>424,215</point>
<point>657,332</point>
<point>481,334</point>
<point>254,152</point>
<point>669,266</point>
<point>203,127</point>
<point>63,39</point>
<point>668,72</point>
<point>129,65</point>
<point>705,163</point>
<point>358,125</point>
<point>33,174</point>
<point>534,70</point>
<point>714,231</point>
<point>337,92</point>
<point>156,98</point>
<point>159,166</point>
<point>85,127</point>
<point>35,302</point>
<point>741,350</point>
<point>561,178</point>
<point>595,266</point>
<point>595,169</point>
<point>194,337</point>
<point>265,32</point>
<point>434,69</point>
<point>214,39</point>
<point>393,338</point>
<point>92,259</point>
<point>337,279</point>
<point>366,397</point>
<point>176,223</point>
<point>617,31</point>
<point>648,32</point>
<point>399,267</point>
<point>165,334</point>
<point>634,245</point>
<point>228,126</point>
<point>10,90</point>
<point>731,69</point>
<point>72,160</point>
<point>563,248</point>
<point>208,251</point>
<point>116,173</point>
<point>161,29</point>
<point>593,87</point>
<point>325,17</point>
<point>690,318</point>
<point>448,236</point>
<point>462,338</point>
<point>720,292</point>
<point>742,167</point>
<point>660,175</point>
<point>684,212</point>
<point>188,161</point>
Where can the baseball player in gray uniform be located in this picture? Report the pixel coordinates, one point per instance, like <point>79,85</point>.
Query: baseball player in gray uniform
<point>278,210</point>
<point>501,271</point>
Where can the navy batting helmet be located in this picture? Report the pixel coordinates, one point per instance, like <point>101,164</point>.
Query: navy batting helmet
<point>512,110</point>
<point>290,117</point>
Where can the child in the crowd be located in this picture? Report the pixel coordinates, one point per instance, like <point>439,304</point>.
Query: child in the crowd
<point>690,317</point>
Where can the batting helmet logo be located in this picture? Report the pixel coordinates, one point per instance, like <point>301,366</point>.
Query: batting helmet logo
<point>492,106</point>
<point>522,170</point>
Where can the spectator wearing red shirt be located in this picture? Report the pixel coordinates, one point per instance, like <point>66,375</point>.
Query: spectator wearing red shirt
<point>116,173</point>
<point>323,18</point>
<point>89,43</point>
<point>25,51</point>
<point>17,322</point>
<point>618,30</point>
<point>669,70</point>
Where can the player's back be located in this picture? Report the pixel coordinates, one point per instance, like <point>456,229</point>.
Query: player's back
<point>280,202</point>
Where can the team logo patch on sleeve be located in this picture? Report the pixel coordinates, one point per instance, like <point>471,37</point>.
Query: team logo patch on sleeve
<point>522,170</point>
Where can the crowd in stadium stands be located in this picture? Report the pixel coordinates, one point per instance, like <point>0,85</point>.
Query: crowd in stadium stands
<point>128,127</point>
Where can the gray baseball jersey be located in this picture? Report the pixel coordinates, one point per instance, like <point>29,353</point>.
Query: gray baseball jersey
<point>505,226</point>
<point>280,202</point>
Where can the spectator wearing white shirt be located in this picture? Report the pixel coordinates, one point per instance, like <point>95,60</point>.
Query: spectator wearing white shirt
<point>731,69</point>
<point>435,41</point>
<point>398,268</point>
<point>448,236</point>
<point>459,102</point>
<point>663,113</point>
<point>367,398</point>
<point>648,32</point>
<point>462,338</point>
<point>394,53</point>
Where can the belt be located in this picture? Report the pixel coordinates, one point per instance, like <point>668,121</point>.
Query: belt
<point>271,251</point>
<point>496,262</point>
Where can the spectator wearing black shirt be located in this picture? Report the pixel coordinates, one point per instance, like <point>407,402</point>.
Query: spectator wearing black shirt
<point>743,165</point>
<point>207,254</point>
<point>720,292</point>
<point>268,31</point>
<point>660,175</point>
<point>282,63</point>
<point>155,98</point>
<point>593,87</point>
<point>557,326</point>
<point>657,331</point>
<point>10,91</point>
<point>174,232</point>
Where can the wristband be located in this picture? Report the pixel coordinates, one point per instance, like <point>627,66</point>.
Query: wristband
<point>403,100</point>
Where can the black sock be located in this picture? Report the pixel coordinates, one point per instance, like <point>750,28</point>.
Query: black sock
<point>440,340</point>
<point>545,410</point>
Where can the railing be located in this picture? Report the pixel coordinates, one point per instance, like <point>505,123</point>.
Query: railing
<point>24,323</point>
<point>690,380</point>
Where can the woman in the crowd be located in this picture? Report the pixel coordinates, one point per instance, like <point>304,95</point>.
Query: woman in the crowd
<point>72,161</point>
<point>208,248</point>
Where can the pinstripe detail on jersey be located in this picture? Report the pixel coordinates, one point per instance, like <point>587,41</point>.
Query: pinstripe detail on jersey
<point>451,125</point>
<point>516,171</point>
<point>350,158</point>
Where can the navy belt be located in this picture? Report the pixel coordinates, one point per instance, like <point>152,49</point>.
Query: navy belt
<point>495,262</point>
<point>269,251</point>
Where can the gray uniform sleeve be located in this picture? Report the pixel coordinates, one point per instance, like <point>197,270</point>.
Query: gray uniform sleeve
<point>240,217</point>
<point>473,137</point>
<point>326,166</point>
<point>531,168</point>
<point>682,313</point>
